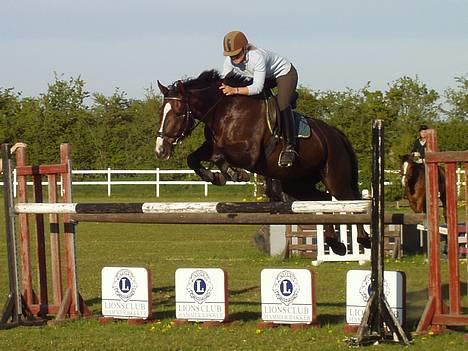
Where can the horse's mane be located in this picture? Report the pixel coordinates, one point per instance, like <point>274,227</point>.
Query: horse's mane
<point>209,77</point>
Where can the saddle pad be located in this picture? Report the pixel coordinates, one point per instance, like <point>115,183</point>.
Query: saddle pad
<point>302,127</point>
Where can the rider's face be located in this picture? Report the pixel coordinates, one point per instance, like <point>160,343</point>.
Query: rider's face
<point>237,59</point>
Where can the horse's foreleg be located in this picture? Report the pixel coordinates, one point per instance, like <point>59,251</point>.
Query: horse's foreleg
<point>231,173</point>
<point>204,153</point>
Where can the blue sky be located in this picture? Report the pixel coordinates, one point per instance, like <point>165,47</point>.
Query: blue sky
<point>334,44</point>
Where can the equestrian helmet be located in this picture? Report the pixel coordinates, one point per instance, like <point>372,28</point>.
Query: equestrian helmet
<point>423,127</point>
<point>234,42</point>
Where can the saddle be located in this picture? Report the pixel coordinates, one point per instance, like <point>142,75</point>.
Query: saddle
<point>302,128</point>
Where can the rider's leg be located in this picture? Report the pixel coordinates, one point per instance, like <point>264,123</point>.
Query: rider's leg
<point>286,89</point>
<point>288,154</point>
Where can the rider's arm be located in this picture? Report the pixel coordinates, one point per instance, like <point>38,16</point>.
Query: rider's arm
<point>227,67</point>
<point>259,75</point>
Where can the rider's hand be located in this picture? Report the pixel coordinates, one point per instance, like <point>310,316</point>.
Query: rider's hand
<point>228,90</point>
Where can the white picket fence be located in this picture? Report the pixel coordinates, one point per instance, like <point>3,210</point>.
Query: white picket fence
<point>108,179</point>
<point>355,252</point>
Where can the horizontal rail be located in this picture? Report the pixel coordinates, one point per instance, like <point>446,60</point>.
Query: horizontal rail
<point>245,218</point>
<point>446,156</point>
<point>196,207</point>
<point>41,170</point>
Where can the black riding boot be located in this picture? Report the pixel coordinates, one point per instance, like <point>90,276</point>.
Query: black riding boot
<point>287,156</point>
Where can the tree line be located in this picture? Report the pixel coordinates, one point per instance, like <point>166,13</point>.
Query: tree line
<point>119,132</point>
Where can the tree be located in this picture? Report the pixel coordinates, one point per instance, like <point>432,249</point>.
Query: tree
<point>453,131</point>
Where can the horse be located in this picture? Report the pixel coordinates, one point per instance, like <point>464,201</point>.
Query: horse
<point>237,138</point>
<point>413,180</point>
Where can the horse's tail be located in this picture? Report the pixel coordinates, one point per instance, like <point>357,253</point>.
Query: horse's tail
<point>354,164</point>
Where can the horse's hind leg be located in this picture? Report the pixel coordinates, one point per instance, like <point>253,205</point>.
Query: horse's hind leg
<point>274,191</point>
<point>305,192</point>
<point>349,192</point>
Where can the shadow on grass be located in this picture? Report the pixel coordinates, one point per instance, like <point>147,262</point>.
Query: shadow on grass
<point>324,319</point>
<point>416,302</point>
<point>243,291</point>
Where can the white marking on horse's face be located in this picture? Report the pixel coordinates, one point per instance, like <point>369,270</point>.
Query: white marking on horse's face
<point>403,177</point>
<point>167,109</point>
<point>159,140</point>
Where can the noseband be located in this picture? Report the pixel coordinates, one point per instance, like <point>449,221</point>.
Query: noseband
<point>187,115</point>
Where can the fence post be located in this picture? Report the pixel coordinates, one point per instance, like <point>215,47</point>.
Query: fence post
<point>157,182</point>
<point>255,186</point>
<point>15,183</point>
<point>109,183</point>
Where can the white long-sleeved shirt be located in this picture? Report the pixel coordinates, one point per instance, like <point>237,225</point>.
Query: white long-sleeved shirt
<point>258,64</point>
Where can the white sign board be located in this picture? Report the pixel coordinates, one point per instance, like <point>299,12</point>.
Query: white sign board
<point>126,292</point>
<point>201,294</point>
<point>358,289</point>
<point>288,296</point>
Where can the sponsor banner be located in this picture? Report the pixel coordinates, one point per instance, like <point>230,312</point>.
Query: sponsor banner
<point>288,296</point>
<point>126,292</point>
<point>201,294</point>
<point>358,290</point>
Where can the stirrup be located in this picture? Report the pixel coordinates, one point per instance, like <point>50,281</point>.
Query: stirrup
<point>286,157</point>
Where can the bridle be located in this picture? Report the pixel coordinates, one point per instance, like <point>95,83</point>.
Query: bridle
<point>187,115</point>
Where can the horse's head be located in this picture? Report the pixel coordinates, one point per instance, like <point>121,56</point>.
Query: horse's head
<point>405,168</point>
<point>183,102</point>
<point>176,119</point>
<point>408,164</point>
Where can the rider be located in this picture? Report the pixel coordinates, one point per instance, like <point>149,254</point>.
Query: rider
<point>249,61</point>
<point>419,146</point>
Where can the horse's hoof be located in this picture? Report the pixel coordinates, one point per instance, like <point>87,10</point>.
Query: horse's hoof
<point>244,176</point>
<point>365,242</point>
<point>338,247</point>
<point>218,179</point>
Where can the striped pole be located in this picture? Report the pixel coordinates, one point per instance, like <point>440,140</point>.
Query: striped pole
<point>359,206</point>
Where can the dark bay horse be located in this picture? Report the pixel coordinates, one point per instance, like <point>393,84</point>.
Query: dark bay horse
<point>413,180</point>
<point>237,139</point>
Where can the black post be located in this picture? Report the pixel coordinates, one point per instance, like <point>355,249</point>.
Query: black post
<point>378,315</point>
<point>15,307</point>
<point>10,315</point>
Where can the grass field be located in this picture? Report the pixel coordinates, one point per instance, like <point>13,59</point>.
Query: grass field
<point>164,248</point>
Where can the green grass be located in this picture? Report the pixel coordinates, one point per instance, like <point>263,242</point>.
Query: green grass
<point>164,248</point>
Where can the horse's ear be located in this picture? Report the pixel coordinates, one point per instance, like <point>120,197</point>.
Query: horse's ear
<point>164,90</point>
<point>180,87</point>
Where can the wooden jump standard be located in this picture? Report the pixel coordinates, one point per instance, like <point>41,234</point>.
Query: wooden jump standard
<point>437,315</point>
<point>378,315</point>
<point>25,304</point>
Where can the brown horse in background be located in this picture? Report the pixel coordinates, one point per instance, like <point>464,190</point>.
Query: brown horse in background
<point>413,180</point>
<point>238,138</point>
